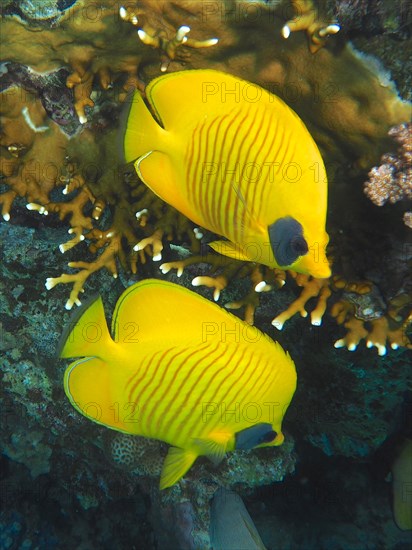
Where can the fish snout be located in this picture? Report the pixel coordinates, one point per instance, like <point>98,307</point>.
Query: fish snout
<point>279,439</point>
<point>314,263</point>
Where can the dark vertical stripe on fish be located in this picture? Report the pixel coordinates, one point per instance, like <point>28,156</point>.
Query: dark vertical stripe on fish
<point>182,416</point>
<point>150,403</point>
<point>238,200</point>
<point>272,152</point>
<point>196,162</point>
<point>162,398</point>
<point>219,386</point>
<point>150,380</point>
<point>256,161</point>
<point>231,186</point>
<point>190,414</point>
<point>258,189</point>
<point>189,166</point>
<point>218,190</point>
<point>140,374</point>
<point>207,202</point>
<point>264,382</point>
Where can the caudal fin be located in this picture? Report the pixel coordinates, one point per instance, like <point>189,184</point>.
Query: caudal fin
<point>87,332</point>
<point>142,133</point>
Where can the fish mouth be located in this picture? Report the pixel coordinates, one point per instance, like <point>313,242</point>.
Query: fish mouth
<point>279,439</point>
<point>321,272</point>
<point>314,263</point>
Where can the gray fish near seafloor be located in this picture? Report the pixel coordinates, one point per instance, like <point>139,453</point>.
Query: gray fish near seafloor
<point>231,527</point>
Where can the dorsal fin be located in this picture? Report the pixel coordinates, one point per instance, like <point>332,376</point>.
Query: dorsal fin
<point>153,309</point>
<point>173,97</point>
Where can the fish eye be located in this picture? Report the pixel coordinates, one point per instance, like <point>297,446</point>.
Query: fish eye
<point>299,246</point>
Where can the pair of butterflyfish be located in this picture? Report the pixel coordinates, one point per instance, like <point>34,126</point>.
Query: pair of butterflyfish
<point>180,369</point>
<point>236,160</point>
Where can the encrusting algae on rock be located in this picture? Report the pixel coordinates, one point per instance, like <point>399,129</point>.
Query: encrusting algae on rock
<point>345,102</point>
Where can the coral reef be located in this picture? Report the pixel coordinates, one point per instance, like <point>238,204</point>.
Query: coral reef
<point>98,54</point>
<point>392,180</point>
<point>65,73</point>
<point>244,470</point>
<point>26,446</point>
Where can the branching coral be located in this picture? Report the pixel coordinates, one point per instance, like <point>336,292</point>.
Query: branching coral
<point>104,52</point>
<point>359,308</point>
<point>392,180</point>
<point>317,27</point>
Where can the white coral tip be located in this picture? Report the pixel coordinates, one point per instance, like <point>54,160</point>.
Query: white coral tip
<point>196,281</point>
<point>285,32</point>
<point>381,350</point>
<point>6,217</point>
<point>277,324</point>
<point>82,119</point>
<point>394,345</point>
<point>260,287</point>
<point>332,29</point>
<point>339,343</point>
<point>50,283</point>
<point>211,41</point>
<point>179,271</point>
<point>216,295</point>
<point>62,248</point>
<point>164,268</point>
<point>182,32</point>
<point>123,12</point>
<point>141,213</point>
<point>142,35</point>
<point>316,321</point>
<point>157,257</point>
<point>351,347</point>
<point>198,233</point>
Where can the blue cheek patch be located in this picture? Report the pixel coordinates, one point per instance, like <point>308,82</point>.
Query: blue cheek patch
<point>287,241</point>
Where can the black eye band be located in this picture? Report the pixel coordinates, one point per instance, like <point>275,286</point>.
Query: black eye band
<point>287,241</point>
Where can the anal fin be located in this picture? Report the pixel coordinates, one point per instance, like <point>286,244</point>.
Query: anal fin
<point>176,464</point>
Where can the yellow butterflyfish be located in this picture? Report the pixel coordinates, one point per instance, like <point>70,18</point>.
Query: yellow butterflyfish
<point>179,369</point>
<point>234,159</point>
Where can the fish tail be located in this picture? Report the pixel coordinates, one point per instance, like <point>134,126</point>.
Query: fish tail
<point>87,333</point>
<point>142,133</point>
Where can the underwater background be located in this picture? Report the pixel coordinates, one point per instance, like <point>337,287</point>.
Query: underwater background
<point>66,71</point>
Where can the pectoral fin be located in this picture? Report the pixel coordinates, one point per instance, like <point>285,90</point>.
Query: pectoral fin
<point>226,248</point>
<point>176,464</point>
<point>215,449</point>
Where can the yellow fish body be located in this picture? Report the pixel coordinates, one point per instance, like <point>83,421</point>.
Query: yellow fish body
<point>179,369</point>
<point>235,159</point>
